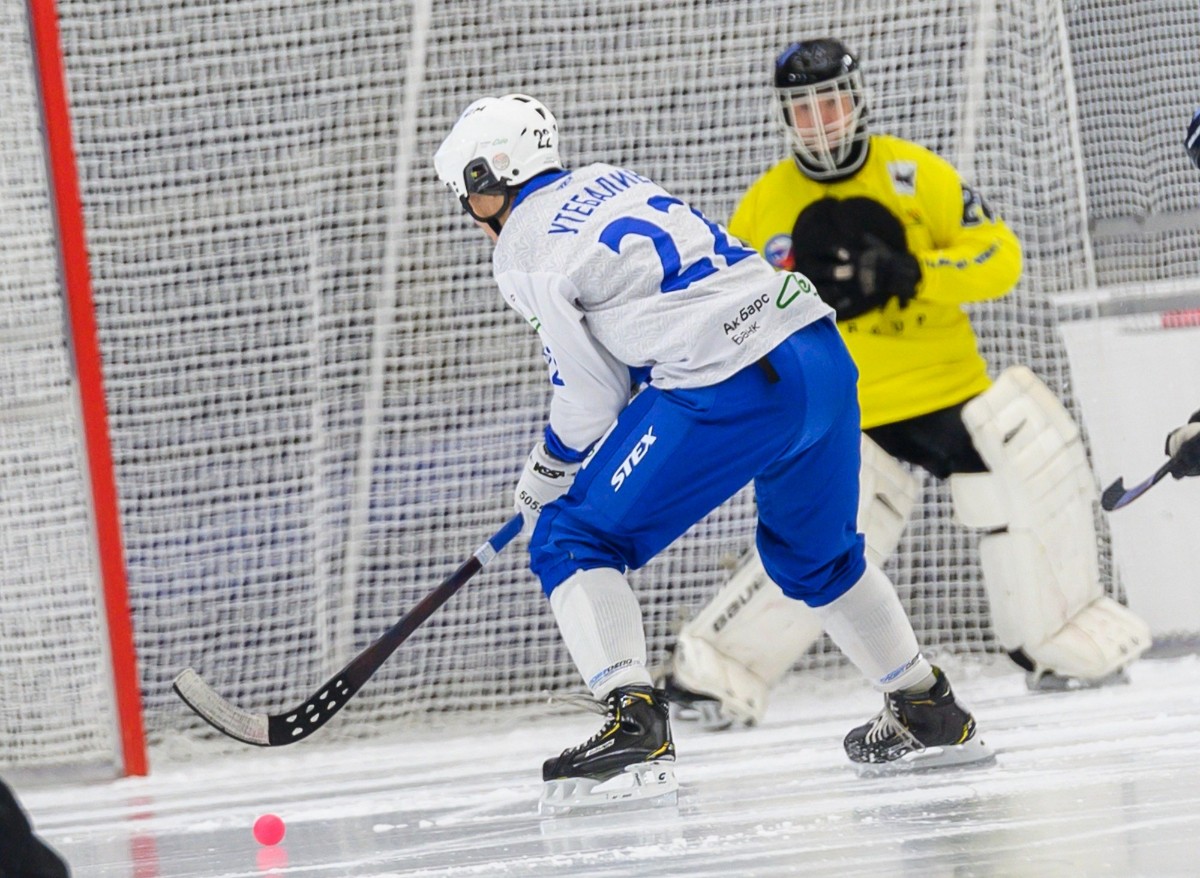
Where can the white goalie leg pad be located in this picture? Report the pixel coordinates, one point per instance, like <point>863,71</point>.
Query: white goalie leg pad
<point>743,641</point>
<point>1039,562</point>
<point>750,634</point>
<point>886,496</point>
<point>1101,638</point>
<point>601,623</point>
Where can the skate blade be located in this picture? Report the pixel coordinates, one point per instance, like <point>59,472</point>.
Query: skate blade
<point>1059,683</point>
<point>972,754</point>
<point>652,783</point>
<point>706,714</point>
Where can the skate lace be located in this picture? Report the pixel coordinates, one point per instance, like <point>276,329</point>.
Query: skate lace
<point>578,701</point>
<point>885,725</point>
<point>610,719</point>
<point>591,705</point>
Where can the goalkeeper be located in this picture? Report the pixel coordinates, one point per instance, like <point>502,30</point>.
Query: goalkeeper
<point>897,244</point>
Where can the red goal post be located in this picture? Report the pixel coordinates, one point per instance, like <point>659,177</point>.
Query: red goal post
<point>75,278</point>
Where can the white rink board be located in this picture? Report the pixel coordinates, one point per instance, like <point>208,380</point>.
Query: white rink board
<point>1135,376</point>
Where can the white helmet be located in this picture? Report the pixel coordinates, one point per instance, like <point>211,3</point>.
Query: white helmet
<point>497,145</point>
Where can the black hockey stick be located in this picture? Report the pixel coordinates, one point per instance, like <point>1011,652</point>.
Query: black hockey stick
<point>1117,495</point>
<point>266,730</point>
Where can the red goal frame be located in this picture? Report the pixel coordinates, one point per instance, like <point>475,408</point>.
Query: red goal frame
<point>76,282</point>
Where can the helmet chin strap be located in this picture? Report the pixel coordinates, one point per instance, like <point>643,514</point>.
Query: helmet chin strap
<point>492,221</point>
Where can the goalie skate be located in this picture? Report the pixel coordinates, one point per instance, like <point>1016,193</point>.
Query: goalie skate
<point>1048,681</point>
<point>629,759</point>
<point>694,707</point>
<point>915,732</point>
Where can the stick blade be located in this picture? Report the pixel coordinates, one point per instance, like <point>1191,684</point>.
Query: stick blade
<point>1111,498</point>
<point>251,728</point>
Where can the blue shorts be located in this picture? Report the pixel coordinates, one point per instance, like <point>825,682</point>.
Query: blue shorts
<point>675,455</point>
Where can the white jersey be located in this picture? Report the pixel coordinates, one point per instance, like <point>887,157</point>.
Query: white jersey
<point>615,273</point>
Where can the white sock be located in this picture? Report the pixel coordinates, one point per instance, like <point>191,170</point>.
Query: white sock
<point>870,627</point>
<point>601,623</point>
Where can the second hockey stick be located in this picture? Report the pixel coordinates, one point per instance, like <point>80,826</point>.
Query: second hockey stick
<point>275,730</point>
<point>1117,495</point>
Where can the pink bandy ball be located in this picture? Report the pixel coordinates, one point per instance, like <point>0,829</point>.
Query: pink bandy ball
<point>268,829</point>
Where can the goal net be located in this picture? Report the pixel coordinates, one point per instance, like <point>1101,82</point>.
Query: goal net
<point>318,403</point>
<point>55,700</point>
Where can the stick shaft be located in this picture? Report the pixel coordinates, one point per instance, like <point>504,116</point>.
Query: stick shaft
<point>1117,495</point>
<point>295,725</point>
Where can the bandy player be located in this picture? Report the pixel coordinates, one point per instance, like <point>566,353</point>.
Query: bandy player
<point>749,381</point>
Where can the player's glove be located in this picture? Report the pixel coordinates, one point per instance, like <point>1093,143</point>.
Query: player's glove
<point>856,253</point>
<point>545,479</point>
<point>1192,142</point>
<point>1183,445</point>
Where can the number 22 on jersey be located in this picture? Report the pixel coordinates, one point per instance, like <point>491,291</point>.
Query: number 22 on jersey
<point>675,276</point>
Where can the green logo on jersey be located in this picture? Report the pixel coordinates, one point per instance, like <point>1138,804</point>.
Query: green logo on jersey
<point>793,286</point>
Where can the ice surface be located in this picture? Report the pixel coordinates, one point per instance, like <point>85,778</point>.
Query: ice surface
<point>1101,782</point>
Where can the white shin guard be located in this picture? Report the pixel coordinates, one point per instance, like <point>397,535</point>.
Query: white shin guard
<point>871,628</point>
<point>601,623</point>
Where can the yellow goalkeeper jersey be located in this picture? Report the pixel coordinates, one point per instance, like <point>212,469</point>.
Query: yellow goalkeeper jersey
<point>923,357</point>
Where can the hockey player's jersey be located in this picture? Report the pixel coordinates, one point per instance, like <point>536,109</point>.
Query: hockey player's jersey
<point>614,274</point>
<point>924,357</point>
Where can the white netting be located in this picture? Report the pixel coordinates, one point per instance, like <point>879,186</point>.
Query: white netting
<point>319,403</point>
<point>54,702</point>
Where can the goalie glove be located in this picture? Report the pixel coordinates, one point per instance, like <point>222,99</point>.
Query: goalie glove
<point>856,253</point>
<point>1183,445</point>
<point>853,283</point>
<point>545,479</point>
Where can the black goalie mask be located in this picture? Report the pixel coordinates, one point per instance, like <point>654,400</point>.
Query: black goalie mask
<point>823,107</point>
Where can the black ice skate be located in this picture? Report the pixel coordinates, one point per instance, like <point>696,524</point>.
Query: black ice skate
<point>629,758</point>
<point>694,707</point>
<point>913,731</point>
<point>1039,679</point>
<point>1049,681</point>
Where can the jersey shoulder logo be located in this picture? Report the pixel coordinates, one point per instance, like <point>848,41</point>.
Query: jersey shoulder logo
<point>778,252</point>
<point>904,177</point>
<point>975,210</point>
